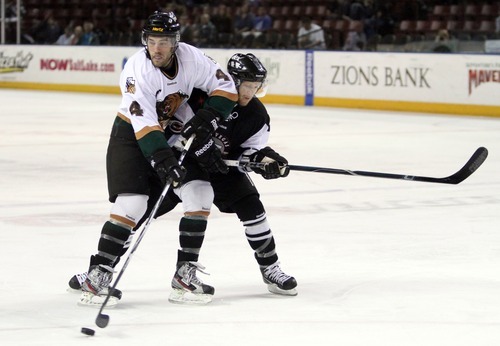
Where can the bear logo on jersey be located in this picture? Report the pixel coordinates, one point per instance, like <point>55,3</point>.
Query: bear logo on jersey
<point>166,108</point>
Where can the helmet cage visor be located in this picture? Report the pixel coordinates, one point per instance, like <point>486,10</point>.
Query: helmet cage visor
<point>262,90</point>
<point>172,38</point>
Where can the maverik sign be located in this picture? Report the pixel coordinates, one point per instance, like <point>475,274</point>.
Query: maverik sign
<point>14,63</point>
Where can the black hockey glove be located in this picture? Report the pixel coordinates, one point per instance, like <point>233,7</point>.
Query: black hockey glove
<point>203,124</point>
<point>209,156</point>
<point>275,165</point>
<point>167,167</point>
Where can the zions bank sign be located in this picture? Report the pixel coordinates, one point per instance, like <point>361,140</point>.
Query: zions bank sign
<point>412,77</point>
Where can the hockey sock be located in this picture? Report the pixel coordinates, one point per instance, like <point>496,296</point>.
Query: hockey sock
<point>257,230</point>
<point>261,239</point>
<point>114,242</point>
<point>191,236</point>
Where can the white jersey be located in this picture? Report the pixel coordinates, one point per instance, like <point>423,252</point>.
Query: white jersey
<point>151,97</point>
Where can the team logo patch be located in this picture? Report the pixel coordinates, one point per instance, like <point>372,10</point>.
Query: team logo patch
<point>130,85</point>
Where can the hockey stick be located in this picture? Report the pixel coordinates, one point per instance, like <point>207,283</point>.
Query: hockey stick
<point>470,167</point>
<point>102,320</point>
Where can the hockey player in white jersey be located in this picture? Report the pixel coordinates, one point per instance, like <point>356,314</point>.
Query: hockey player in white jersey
<point>156,83</point>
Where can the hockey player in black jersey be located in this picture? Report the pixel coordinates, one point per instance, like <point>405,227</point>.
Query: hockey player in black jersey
<point>243,136</point>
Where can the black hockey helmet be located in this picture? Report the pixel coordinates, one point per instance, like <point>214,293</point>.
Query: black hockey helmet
<point>246,67</point>
<point>162,24</point>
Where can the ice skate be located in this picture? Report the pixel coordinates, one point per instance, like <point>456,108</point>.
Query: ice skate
<point>95,287</point>
<point>187,288</point>
<point>277,281</point>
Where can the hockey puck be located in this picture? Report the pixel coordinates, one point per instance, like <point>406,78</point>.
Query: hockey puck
<point>88,331</point>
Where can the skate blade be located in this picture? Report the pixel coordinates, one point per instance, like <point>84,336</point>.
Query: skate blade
<point>92,300</point>
<point>72,290</point>
<point>276,290</point>
<point>178,296</point>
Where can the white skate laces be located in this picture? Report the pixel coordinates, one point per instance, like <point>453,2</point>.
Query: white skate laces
<point>187,288</point>
<point>98,279</point>
<point>277,281</point>
<point>96,285</point>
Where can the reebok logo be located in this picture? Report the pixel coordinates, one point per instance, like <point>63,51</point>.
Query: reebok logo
<point>214,123</point>
<point>203,149</point>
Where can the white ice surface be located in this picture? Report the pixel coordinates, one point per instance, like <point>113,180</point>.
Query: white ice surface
<point>378,262</point>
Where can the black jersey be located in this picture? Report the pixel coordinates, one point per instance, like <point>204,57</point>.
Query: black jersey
<point>245,128</point>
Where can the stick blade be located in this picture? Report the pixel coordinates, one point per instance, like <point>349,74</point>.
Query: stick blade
<point>102,320</point>
<point>476,160</point>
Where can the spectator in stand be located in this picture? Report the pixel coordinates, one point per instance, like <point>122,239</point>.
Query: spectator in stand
<point>89,37</point>
<point>338,9</point>
<point>442,36</point>
<point>47,31</point>
<point>243,22</point>
<point>332,8</point>
<point>355,39</point>
<point>366,14</point>
<point>189,31</point>
<point>223,19</point>
<point>356,11</point>
<point>262,22</point>
<point>207,33</point>
<point>77,34</point>
<point>361,10</point>
<point>66,37</point>
<point>310,35</point>
<point>103,33</point>
<point>382,23</point>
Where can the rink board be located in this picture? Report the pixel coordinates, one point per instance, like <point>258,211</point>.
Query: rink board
<point>434,83</point>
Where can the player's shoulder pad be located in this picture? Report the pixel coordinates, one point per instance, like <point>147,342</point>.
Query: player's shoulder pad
<point>188,53</point>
